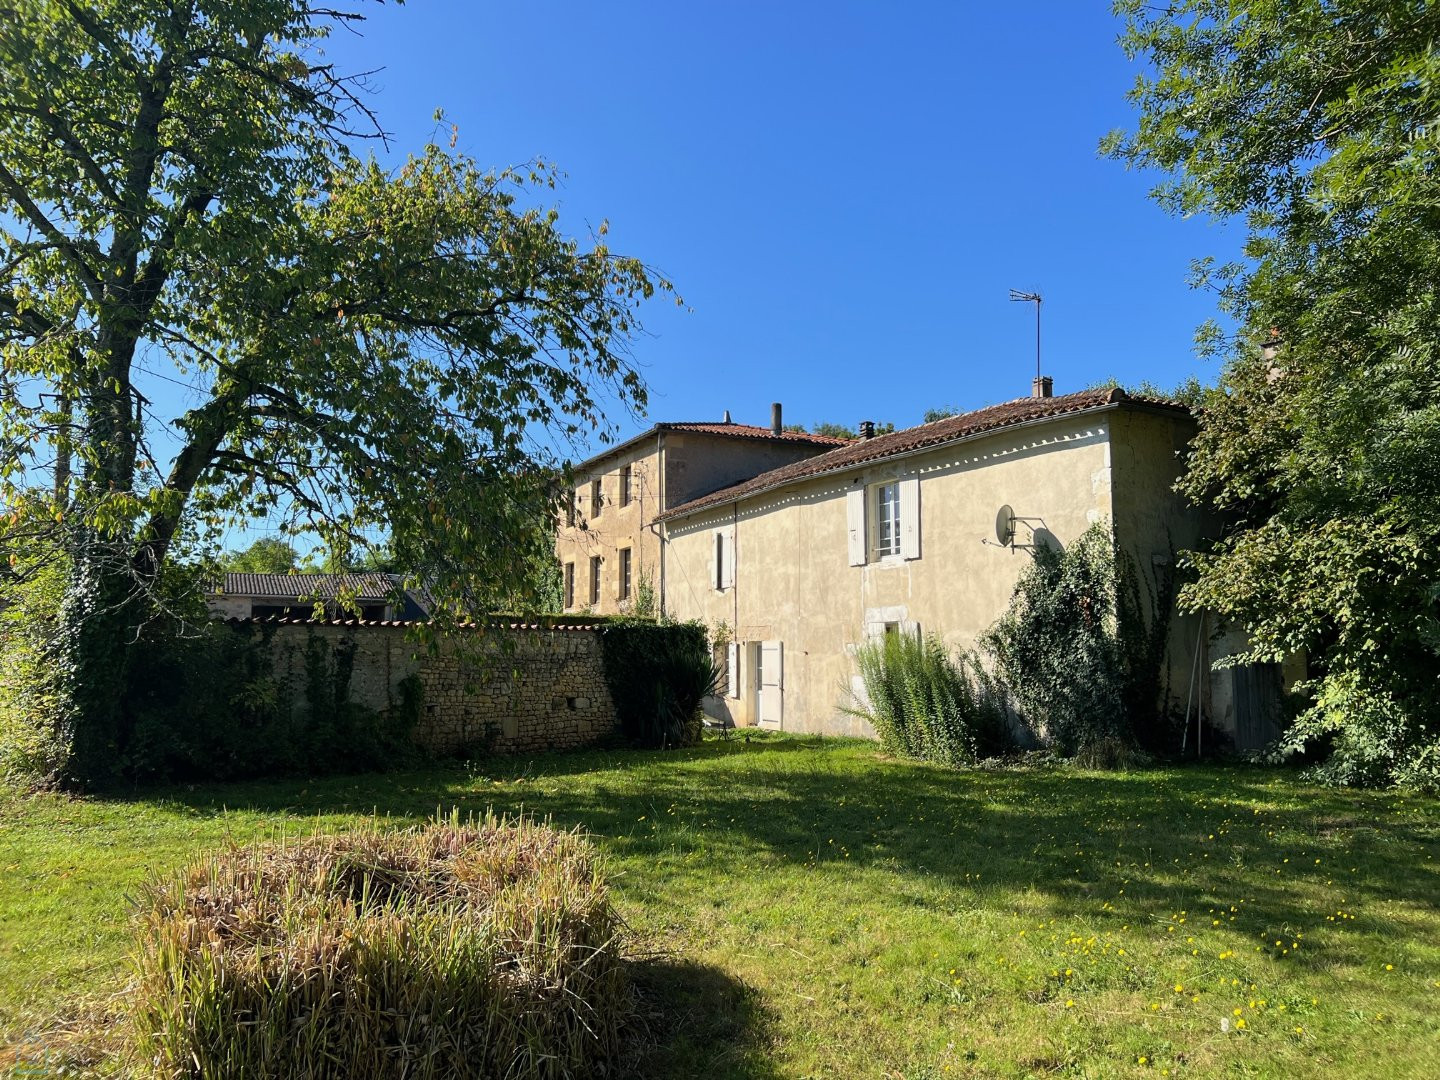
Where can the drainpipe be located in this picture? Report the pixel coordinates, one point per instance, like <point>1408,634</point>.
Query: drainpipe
<point>660,466</point>
<point>735,556</point>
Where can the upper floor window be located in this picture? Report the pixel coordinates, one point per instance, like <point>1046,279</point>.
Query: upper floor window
<point>884,521</point>
<point>625,474</point>
<point>597,497</point>
<point>624,574</point>
<point>722,568</point>
<point>570,507</point>
<point>887,519</point>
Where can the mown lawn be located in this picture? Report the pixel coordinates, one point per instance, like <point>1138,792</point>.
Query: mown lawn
<point>810,908</point>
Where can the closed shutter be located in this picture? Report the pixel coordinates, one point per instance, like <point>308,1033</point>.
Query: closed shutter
<point>855,518</point>
<point>772,684</point>
<point>910,518</point>
<point>727,561</point>
<point>732,669</point>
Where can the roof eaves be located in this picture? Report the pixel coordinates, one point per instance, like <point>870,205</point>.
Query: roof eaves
<point>704,503</point>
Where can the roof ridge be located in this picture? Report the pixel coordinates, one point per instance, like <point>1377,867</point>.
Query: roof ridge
<point>859,452</point>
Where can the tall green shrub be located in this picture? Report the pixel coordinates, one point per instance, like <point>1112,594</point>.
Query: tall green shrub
<point>1079,648</point>
<point>657,676</point>
<point>924,704</point>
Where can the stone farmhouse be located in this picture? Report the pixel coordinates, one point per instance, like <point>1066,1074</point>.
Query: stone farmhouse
<point>610,542</point>
<point>920,530</point>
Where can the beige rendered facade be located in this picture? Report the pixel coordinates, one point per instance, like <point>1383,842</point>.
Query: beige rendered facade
<point>609,545</point>
<point>900,535</point>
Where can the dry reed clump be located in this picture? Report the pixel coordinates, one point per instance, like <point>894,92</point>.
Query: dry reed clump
<point>477,949</point>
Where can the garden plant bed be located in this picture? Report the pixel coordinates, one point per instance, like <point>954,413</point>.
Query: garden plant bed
<point>812,908</point>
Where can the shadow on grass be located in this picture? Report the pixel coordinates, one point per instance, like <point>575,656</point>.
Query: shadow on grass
<point>696,1020</point>
<point>1172,839</point>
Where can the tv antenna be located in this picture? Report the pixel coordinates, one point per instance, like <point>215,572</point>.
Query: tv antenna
<point>1018,297</point>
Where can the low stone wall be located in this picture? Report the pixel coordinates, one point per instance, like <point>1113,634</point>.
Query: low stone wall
<point>510,690</point>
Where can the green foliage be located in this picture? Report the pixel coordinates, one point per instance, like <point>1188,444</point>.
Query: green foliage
<point>366,349</point>
<point>267,555</point>
<point>33,742</point>
<point>646,604</point>
<point>839,431</point>
<point>657,676</point>
<point>479,949</point>
<point>1315,120</point>
<point>924,704</point>
<point>1188,391</point>
<point>207,704</point>
<point>1081,649</point>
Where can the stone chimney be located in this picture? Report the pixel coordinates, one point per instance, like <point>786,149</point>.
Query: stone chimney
<point>727,417</point>
<point>867,429</point>
<point>1042,386</point>
<point>776,427</point>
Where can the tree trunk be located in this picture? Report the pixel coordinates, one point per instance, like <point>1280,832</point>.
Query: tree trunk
<point>98,620</point>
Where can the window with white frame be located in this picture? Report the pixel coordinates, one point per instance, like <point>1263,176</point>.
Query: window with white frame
<point>884,521</point>
<point>885,498</point>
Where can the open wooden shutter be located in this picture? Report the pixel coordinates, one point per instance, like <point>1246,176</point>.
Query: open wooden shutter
<point>772,683</point>
<point>732,669</point>
<point>910,518</point>
<point>855,518</point>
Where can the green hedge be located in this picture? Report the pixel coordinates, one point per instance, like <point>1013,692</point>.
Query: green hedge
<point>657,674</point>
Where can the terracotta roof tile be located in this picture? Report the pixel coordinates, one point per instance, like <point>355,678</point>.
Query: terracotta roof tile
<point>861,451</point>
<point>714,427</point>
<point>749,431</point>
<point>374,586</point>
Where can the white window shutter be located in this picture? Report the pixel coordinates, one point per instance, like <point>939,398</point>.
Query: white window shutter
<point>732,669</point>
<point>727,568</point>
<point>855,518</point>
<point>910,518</point>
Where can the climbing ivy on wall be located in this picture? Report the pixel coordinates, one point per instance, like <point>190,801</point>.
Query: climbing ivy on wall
<point>1082,647</point>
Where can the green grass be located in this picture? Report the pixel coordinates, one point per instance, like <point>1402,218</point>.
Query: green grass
<point>809,908</point>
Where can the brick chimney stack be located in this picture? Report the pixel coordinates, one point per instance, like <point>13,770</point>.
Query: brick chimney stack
<point>867,429</point>
<point>1042,386</point>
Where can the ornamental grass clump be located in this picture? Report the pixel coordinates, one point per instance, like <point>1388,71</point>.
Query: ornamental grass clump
<point>925,704</point>
<point>484,949</point>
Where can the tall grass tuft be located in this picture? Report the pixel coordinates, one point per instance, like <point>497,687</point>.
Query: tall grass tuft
<point>924,704</point>
<point>485,948</point>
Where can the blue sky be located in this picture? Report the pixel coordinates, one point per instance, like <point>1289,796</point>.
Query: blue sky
<point>843,192</point>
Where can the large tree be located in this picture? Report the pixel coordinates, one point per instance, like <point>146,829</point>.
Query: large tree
<point>182,198</point>
<point>1315,121</point>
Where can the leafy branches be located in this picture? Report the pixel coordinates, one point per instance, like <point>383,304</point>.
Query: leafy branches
<point>1315,120</point>
<point>369,351</point>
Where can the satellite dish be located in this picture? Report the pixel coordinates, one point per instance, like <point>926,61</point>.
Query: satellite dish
<point>1005,525</point>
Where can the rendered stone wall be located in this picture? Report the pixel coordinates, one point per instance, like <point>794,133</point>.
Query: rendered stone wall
<point>506,690</point>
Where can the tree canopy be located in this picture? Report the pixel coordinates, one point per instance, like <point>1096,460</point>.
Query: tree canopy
<point>267,555</point>
<point>1314,120</point>
<point>183,197</point>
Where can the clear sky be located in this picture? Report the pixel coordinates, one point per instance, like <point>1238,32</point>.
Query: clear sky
<point>844,192</point>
